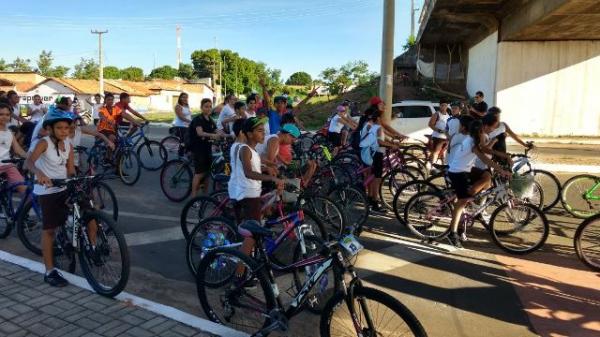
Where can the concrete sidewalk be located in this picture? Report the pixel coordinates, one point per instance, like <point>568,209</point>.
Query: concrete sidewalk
<point>30,307</point>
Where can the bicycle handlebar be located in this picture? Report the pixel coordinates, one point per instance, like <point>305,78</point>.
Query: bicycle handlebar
<point>13,161</point>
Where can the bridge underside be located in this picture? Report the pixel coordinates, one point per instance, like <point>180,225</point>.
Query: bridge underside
<point>469,21</point>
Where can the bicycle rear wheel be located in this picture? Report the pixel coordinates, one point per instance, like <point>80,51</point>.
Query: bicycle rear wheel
<point>129,167</point>
<point>550,186</point>
<point>107,267</point>
<point>171,145</point>
<point>519,228</point>
<point>195,210</point>
<point>233,302</point>
<point>105,200</point>
<point>29,227</point>
<point>587,242</point>
<point>5,225</point>
<point>428,215</point>
<point>329,212</point>
<point>152,155</point>
<point>176,180</point>
<point>574,196</point>
<point>376,314</point>
<point>391,181</point>
<point>354,204</point>
<point>407,191</point>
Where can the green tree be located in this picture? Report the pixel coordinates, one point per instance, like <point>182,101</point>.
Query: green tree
<point>132,74</point>
<point>86,69</point>
<point>112,73</point>
<point>186,71</point>
<point>165,72</point>
<point>58,71</point>
<point>338,80</point>
<point>206,63</point>
<point>299,78</point>
<point>20,64</point>
<point>44,62</point>
<point>410,41</point>
<point>3,65</point>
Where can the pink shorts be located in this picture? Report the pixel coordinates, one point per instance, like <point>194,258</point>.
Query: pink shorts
<point>12,173</point>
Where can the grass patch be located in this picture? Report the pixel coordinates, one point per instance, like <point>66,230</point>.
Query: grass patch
<point>160,117</point>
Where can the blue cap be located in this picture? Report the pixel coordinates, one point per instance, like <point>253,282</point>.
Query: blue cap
<point>291,129</point>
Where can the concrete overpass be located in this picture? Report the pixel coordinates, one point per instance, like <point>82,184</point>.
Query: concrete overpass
<point>539,60</point>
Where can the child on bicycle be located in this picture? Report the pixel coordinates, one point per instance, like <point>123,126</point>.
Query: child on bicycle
<point>245,183</point>
<point>52,158</point>
<point>336,126</point>
<point>467,182</point>
<point>437,123</point>
<point>7,143</point>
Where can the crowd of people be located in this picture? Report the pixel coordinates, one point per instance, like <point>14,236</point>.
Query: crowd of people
<point>470,144</point>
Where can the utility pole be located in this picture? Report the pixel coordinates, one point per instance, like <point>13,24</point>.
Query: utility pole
<point>101,80</point>
<point>178,33</point>
<point>412,17</point>
<point>386,82</point>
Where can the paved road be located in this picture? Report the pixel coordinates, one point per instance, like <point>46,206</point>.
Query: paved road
<point>478,291</point>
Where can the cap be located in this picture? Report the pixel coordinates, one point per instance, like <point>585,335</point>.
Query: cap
<point>291,129</point>
<point>375,100</point>
<point>340,108</point>
<point>252,122</point>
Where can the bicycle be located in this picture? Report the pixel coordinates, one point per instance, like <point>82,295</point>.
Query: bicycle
<point>96,259</point>
<point>26,217</point>
<point>127,162</point>
<point>151,153</point>
<point>260,308</point>
<point>428,215</point>
<point>580,196</point>
<point>587,242</point>
<point>522,164</point>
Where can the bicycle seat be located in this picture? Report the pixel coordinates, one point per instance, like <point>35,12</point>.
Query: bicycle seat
<point>221,178</point>
<point>256,229</point>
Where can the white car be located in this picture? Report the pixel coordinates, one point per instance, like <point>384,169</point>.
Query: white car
<point>410,118</point>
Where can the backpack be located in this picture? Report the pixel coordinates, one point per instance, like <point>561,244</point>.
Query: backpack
<point>368,145</point>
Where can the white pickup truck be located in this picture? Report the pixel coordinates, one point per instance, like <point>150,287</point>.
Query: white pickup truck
<point>410,118</point>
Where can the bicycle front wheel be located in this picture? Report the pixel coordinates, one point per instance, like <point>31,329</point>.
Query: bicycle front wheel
<point>428,215</point>
<point>587,242</point>
<point>580,196</point>
<point>129,168</point>
<point>29,227</point>
<point>152,155</point>
<point>5,225</point>
<point>354,204</point>
<point>234,301</point>
<point>176,180</point>
<point>171,145</point>
<point>407,191</point>
<point>372,311</point>
<point>106,267</point>
<point>519,228</point>
<point>208,234</point>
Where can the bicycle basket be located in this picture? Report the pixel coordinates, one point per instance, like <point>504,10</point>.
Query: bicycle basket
<point>522,185</point>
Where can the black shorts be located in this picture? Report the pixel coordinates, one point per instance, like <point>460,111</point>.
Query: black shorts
<point>378,164</point>
<point>248,209</point>
<point>202,161</point>
<point>54,209</point>
<point>461,182</point>
<point>335,138</point>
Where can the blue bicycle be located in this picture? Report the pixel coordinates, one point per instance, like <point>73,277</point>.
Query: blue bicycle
<point>26,216</point>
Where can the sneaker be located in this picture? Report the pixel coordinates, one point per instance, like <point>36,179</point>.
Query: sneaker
<point>454,239</point>
<point>55,279</point>
<point>376,207</point>
<point>462,233</point>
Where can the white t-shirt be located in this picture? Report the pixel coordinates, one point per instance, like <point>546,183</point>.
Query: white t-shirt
<point>6,139</point>
<point>261,148</point>
<point>456,140</point>
<point>178,122</point>
<point>453,126</point>
<point>76,141</point>
<point>250,114</point>
<point>227,112</point>
<point>37,111</point>
<point>239,186</point>
<point>499,130</point>
<point>478,162</point>
<point>35,134</point>
<point>463,158</point>
<point>440,124</point>
<point>16,111</point>
<point>53,165</point>
<point>335,125</point>
<point>96,110</point>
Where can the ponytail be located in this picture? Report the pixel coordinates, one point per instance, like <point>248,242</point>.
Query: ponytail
<point>475,131</point>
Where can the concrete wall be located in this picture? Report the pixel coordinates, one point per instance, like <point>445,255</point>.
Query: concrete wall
<point>550,88</point>
<point>481,72</point>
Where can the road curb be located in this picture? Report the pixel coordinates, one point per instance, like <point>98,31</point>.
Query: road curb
<point>157,308</point>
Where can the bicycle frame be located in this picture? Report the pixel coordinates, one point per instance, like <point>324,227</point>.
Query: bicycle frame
<point>9,193</point>
<point>589,195</point>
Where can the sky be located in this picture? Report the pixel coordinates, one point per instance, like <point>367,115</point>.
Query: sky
<point>291,35</point>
